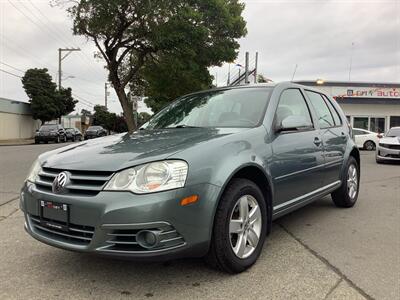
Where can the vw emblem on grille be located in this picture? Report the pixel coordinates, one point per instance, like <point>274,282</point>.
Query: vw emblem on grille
<point>59,182</point>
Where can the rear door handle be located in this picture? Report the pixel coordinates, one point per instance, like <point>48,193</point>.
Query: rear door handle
<point>317,141</point>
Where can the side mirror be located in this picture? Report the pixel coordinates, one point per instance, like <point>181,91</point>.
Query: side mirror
<point>294,123</point>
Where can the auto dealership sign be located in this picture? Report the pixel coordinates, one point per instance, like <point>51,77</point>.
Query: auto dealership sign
<point>365,92</point>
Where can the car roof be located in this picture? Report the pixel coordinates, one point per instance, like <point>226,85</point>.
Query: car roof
<point>284,84</point>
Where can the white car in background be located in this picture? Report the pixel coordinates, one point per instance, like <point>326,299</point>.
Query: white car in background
<point>365,139</point>
<point>389,146</point>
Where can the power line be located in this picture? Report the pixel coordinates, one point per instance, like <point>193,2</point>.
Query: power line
<point>16,69</point>
<point>42,25</point>
<point>7,72</point>
<point>82,54</point>
<point>79,98</point>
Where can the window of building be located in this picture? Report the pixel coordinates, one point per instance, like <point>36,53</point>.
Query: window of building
<point>325,118</point>
<point>394,121</point>
<point>377,125</point>
<point>360,122</point>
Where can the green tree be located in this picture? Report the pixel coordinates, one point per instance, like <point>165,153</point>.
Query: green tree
<point>143,117</point>
<point>42,93</point>
<point>130,34</point>
<point>47,102</point>
<point>172,77</point>
<point>66,100</point>
<point>86,112</point>
<point>104,118</point>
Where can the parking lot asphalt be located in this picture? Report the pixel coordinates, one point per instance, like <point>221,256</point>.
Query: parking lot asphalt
<point>318,252</point>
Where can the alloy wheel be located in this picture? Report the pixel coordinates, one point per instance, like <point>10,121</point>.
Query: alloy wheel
<point>245,226</point>
<point>369,146</point>
<point>352,181</point>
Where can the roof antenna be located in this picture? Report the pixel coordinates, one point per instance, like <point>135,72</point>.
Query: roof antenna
<point>294,72</point>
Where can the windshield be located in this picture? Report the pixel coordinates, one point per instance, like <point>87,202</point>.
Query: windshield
<point>393,132</point>
<point>223,108</point>
<point>48,128</point>
<point>94,128</point>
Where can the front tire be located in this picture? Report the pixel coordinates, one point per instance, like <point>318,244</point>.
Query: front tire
<point>240,227</point>
<point>346,196</point>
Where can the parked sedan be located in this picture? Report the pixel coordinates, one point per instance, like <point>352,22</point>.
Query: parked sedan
<point>50,133</point>
<point>94,132</point>
<point>205,177</point>
<point>73,134</point>
<point>389,146</point>
<point>365,139</point>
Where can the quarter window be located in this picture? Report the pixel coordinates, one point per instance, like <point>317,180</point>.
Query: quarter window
<point>336,117</point>
<point>325,119</point>
<point>292,103</point>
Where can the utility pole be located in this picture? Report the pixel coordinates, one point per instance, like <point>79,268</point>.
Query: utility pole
<point>255,68</point>
<point>229,75</point>
<point>246,74</point>
<point>351,59</point>
<point>60,59</point>
<point>105,94</point>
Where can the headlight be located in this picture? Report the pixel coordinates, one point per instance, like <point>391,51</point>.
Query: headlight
<point>34,171</point>
<point>149,178</point>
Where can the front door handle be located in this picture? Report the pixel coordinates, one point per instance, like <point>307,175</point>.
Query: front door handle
<point>317,141</point>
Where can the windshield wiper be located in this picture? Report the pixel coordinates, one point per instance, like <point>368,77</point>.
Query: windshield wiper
<point>184,126</point>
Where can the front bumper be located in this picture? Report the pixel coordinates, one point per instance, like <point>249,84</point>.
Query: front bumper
<point>46,138</point>
<point>383,153</point>
<point>88,137</point>
<point>108,222</point>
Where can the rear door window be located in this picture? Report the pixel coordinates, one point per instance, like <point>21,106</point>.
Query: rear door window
<point>325,118</point>
<point>335,114</point>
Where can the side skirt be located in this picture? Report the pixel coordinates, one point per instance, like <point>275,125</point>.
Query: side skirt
<point>294,204</point>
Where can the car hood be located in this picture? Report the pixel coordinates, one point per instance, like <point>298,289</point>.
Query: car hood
<point>120,151</point>
<point>395,140</point>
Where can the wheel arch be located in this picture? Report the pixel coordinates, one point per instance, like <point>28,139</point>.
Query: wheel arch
<point>258,175</point>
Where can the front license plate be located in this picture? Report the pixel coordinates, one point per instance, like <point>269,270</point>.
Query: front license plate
<point>54,215</point>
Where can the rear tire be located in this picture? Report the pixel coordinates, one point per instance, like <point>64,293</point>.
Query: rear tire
<point>346,196</point>
<point>237,238</point>
<point>369,146</point>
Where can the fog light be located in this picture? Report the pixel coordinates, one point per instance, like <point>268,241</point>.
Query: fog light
<point>148,238</point>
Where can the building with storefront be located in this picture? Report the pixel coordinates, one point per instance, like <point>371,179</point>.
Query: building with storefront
<point>367,105</point>
<point>16,121</point>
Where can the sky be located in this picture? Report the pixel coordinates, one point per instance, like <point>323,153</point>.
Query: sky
<point>322,37</point>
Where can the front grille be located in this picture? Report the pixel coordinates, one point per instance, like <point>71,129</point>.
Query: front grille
<point>83,183</point>
<point>125,239</point>
<point>390,146</point>
<point>76,234</point>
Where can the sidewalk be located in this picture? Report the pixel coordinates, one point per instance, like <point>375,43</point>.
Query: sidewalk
<point>17,142</point>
